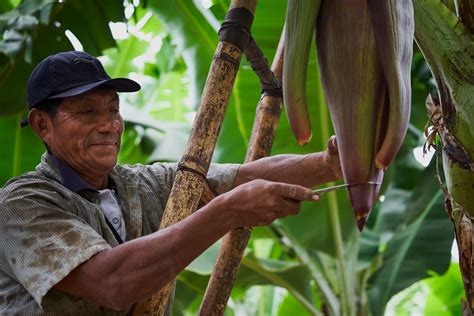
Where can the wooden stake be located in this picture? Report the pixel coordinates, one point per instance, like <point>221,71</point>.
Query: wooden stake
<point>234,243</point>
<point>188,186</point>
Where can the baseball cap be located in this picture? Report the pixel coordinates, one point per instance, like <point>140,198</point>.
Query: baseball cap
<point>67,74</point>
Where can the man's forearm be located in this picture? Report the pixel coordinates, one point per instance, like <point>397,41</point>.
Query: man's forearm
<point>306,170</point>
<point>119,277</point>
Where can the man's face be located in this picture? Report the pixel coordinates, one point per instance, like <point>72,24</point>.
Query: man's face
<point>86,131</point>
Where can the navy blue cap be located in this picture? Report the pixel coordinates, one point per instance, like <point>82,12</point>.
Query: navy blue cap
<point>67,74</point>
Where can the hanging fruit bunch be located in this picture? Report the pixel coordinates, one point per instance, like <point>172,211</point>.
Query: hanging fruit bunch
<point>364,50</point>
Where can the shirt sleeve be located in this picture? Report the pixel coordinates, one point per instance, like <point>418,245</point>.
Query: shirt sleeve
<point>40,240</point>
<point>220,176</point>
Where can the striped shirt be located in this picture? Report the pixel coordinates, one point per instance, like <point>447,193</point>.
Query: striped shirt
<point>48,227</point>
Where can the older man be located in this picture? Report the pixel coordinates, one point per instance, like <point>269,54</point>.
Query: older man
<point>80,234</point>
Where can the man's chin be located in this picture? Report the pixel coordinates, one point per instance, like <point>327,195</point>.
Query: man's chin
<point>104,164</point>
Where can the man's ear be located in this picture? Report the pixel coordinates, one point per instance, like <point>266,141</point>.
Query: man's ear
<point>40,122</point>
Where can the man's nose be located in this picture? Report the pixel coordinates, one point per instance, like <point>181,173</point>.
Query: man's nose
<point>108,123</point>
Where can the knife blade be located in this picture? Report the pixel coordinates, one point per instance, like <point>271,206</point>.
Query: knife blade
<point>340,186</point>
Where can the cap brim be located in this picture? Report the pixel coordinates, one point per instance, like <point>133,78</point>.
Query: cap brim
<point>118,84</point>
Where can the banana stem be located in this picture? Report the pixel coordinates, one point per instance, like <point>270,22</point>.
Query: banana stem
<point>345,287</point>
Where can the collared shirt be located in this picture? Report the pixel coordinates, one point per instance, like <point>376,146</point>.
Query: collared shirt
<point>108,200</point>
<point>113,213</point>
<point>47,230</point>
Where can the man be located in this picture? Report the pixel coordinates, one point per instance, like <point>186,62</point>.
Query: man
<point>80,234</point>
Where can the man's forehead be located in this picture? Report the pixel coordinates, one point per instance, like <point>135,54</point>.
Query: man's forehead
<point>96,95</point>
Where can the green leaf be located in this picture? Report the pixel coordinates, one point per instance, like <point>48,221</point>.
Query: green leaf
<point>166,58</point>
<point>193,36</point>
<point>190,289</point>
<point>5,6</point>
<point>182,301</point>
<point>292,276</point>
<point>369,248</point>
<point>113,10</point>
<point>30,7</point>
<point>205,262</point>
<point>21,149</point>
<point>436,295</point>
<point>95,35</point>
<point>118,61</point>
<point>447,289</point>
<point>290,306</point>
<point>11,44</point>
<point>14,75</point>
<point>418,242</point>
<point>254,271</point>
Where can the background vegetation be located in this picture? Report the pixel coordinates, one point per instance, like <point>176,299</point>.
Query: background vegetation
<point>302,265</point>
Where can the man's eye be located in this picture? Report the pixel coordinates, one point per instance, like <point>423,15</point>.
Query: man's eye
<point>88,112</point>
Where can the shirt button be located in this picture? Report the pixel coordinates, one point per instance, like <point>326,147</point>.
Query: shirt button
<point>115,220</point>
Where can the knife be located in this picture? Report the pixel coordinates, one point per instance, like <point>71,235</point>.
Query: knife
<point>340,186</point>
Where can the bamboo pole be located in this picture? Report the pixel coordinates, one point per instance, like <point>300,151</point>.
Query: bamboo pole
<point>188,186</point>
<point>233,245</point>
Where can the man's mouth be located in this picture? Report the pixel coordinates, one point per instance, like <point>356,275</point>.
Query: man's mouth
<point>105,144</point>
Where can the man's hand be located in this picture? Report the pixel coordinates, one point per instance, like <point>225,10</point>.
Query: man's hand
<point>331,158</point>
<point>260,202</point>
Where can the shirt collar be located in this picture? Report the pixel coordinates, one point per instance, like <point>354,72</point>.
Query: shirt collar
<point>69,177</point>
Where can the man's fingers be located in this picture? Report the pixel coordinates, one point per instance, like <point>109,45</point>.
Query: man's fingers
<point>296,192</point>
<point>290,207</point>
<point>332,146</point>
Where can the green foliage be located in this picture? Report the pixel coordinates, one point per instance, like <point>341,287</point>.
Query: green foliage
<point>21,149</point>
<point>289,306</point>
<point>445,292</point>
<point>438,295</point>
<point>36,29</point>
<point>193,36</point>
<point>415,235</point>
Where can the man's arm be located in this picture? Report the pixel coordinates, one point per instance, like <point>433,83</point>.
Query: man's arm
<point>305,170</point>
<point>118,277</point>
